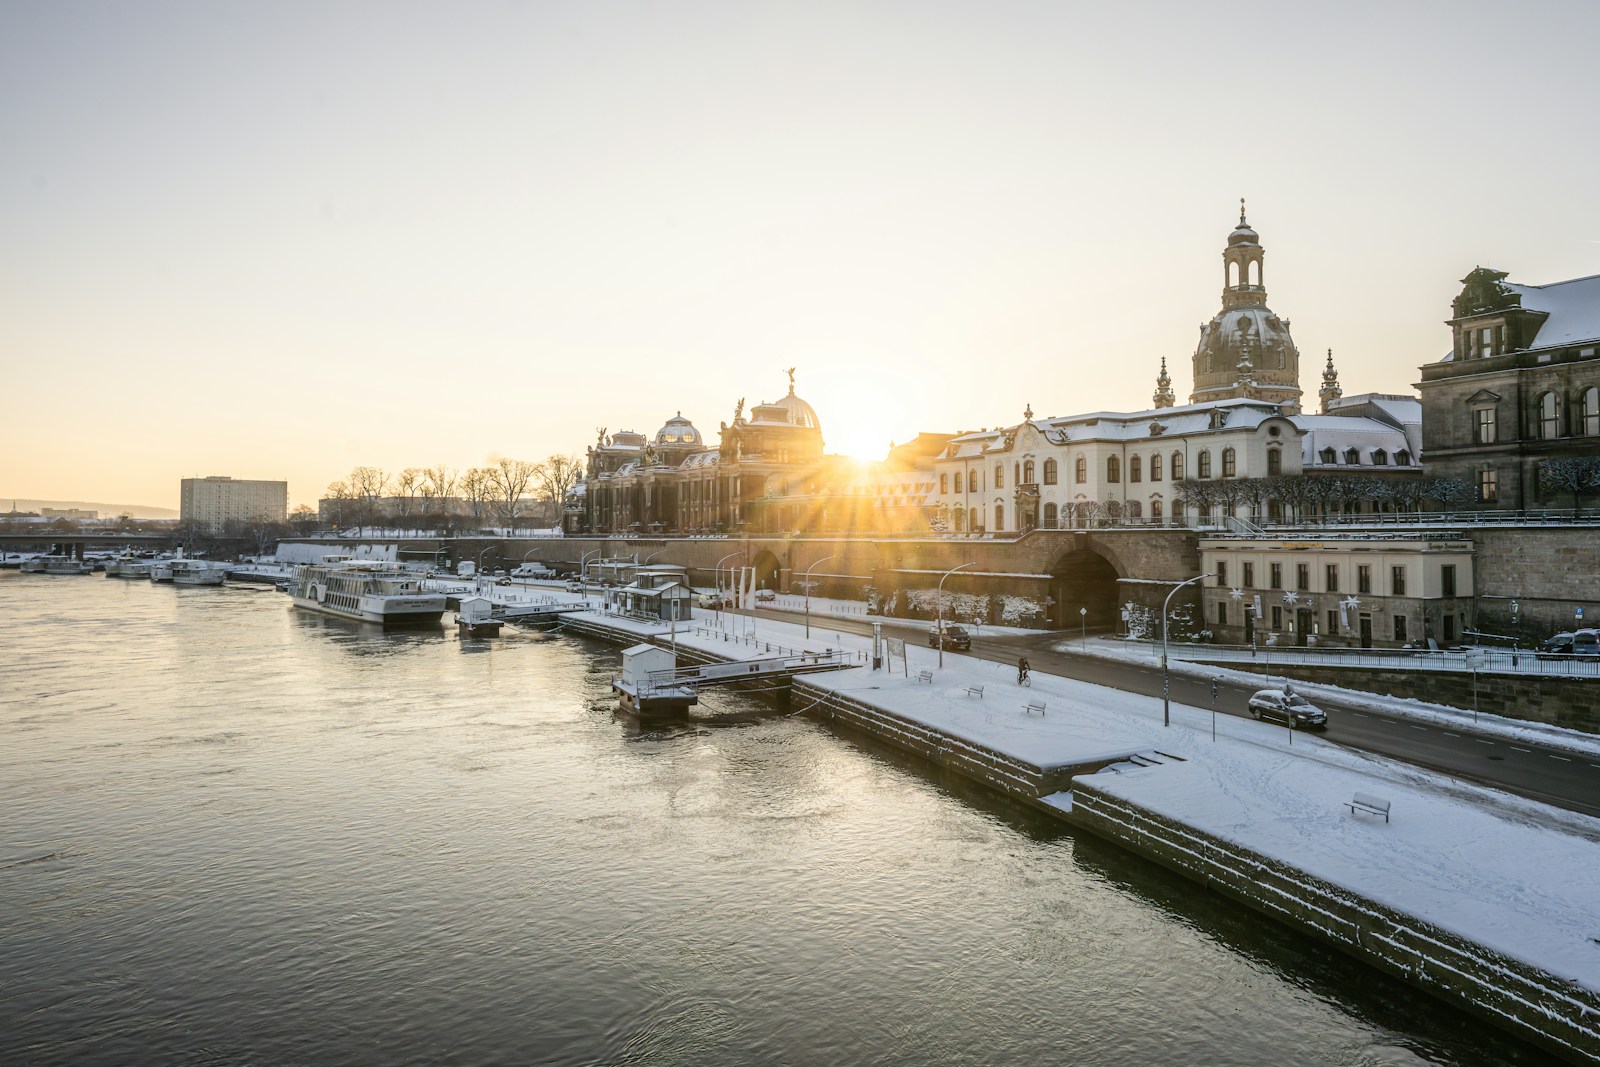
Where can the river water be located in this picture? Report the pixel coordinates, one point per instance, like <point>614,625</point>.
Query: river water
<point>231,832</point>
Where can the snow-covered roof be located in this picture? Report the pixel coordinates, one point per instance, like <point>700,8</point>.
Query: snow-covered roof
<point>1573,307</point>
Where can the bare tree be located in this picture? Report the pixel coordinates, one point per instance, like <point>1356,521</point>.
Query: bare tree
<point>1576,475</point>
<point>478,486</point>
<point>303,520</point>
<point>340,494</point>
<point>368,485</point>
<point>1229,493</point>
<point>1448,493</point>
<point>1255,492</point>
<point>438,483</point>
<point>1197,494</point>
<point>556,477</point>
<point>511,480</point>
<point>407,485</point>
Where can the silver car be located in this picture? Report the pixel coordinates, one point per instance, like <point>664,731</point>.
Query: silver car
<point>1287,706</point>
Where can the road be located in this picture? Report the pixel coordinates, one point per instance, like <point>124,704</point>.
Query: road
<point>1540,772</point>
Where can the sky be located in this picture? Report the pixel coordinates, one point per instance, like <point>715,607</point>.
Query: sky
<point>280,240</point>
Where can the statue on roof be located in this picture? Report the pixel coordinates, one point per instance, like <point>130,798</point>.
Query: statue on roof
<point>790,373</point>
<point>600,436</point>
<point>738,410</point>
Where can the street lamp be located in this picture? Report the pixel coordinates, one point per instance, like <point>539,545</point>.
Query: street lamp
<point>1166,686</point>
<point>583,571</point>
<point>716,582</point>
<point>938,599</point>
<point>824,559</point>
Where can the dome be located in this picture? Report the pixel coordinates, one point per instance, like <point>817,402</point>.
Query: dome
<point>1243,235</point>
<point>800,413</point>
<point>678,431</point>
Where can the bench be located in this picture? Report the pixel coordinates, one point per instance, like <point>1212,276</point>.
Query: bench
<point>975,691</point>
<point>1032,706</point>
<point>1369,803</point>
<point>925,676</point>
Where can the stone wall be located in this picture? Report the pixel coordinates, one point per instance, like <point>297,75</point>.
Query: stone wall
<point>1549,570</point>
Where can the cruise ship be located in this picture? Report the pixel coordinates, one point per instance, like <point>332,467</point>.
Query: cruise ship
<point>366,591</point>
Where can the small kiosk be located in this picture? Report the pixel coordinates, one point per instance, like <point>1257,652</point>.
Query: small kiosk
<point>474,617</point>
<point>647,698</point>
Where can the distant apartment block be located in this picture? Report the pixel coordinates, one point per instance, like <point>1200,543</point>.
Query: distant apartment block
<point>72,514</point>
<point>217,500</point>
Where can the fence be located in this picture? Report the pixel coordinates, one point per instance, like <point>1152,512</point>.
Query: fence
<point>1482,660</point>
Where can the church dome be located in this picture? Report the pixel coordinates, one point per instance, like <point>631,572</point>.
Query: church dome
<point>678,431</point>
<point>1243,235</point>
<point>800,412</point>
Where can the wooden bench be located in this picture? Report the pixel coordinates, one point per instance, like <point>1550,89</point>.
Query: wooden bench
<point>975,691</point>
<point>1032,706</point>
<point>925,676</point>
<point>1369,803</point>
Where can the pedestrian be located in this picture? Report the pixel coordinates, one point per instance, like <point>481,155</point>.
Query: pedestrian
<point>1022,670</point>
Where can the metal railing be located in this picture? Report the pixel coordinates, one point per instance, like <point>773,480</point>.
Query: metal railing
<point>1496,661</point>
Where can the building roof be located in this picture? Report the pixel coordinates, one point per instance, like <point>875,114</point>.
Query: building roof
<point>1573,307</point>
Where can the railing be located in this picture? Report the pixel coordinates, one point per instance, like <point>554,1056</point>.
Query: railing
<point>1496,661</point>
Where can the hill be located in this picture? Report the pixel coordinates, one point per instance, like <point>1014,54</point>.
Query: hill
<point>137,511</point>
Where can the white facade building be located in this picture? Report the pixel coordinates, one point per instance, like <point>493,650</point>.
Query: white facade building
<point>216,500</point>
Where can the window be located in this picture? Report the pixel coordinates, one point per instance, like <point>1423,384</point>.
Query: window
<point>1380,458</point>
<point>1483,426</point>
<point>1302,576</point>
<point>1135,469</point>
<point>975,523</point>
<point>1202,465</point>
<point>999,475</point>
<point>1333,621</point>
<point>1352,457</point>
<point>1333,577</point>
<point>1450,629</point>
<point>1402,458</point>
<point>1486,341</point>
<point>1177,511</point>
<point>1447,580</point>
<point>1397,581</point>
<point>1274,461</point>
<point>944,483</point>
<point>1155,467</point>
<point>1177,467</point>
<point>1249,575</point>
<point>1328,455</point>
<point>961,520</point>
<point>1016,474</point>
<point>958,481</point>
<point>1229,466</point>
<point>1275,575</point>
<point>1222,613</point>
<point>1049,472</point>
<point>1133,510</point>
<point>1589,411</point>
<point>1155,511</point>
<point>1363,578</point>
<point>1080,470</point>
<point>1050,516</point>
<point>1547,416</point>
<point>1277,617</point>
<point>1400,628</point>
<point>1488,485</point>
<point>1113,469</point>
<point>1222,572</point>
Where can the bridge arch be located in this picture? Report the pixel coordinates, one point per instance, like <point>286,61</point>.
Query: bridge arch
<point>1085,578</point>
<point>766,566</point>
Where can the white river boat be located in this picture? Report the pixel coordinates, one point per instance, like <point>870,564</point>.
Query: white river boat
<point>56,565</point>
<point>365,591</point>
<point>197,572</point>
<point>128,567</point>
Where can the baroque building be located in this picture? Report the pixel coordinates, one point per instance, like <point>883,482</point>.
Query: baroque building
<point>1519,386</point>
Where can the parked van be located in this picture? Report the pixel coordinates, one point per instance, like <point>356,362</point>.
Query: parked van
<point>1586,643</point>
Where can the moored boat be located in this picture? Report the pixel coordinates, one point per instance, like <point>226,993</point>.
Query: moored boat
<point>197,572</point>
<point>56,565</point>
<point>365,591</point>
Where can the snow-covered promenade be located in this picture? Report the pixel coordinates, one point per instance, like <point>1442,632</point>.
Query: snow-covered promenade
<point>1477,896</point>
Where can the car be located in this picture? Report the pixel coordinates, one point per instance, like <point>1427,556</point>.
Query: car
<point>765,595</point>
<point>1586,643</point>
<point>1285,705</point>
<point>1557,645</point>
<point>574,586</point>
<point>712,602</point>
<point>502,580</point>
<point>949,635</point>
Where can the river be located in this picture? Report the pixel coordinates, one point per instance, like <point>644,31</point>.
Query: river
<point>238,833</point>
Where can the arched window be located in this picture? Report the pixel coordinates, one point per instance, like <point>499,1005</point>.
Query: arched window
<point>1177,512</point>
<point>1113,469</point>
<point>1329,456</point>
<point>975,522</point>
<point>961,520</point>
<point>1547,416</point>
<point>1016,474</point>
<point>1274,462</point>
<point>1050,516</point>
<point>1135,469</point>
<point>958,481</point>
<point>1380,458</point>
<point>1402,458</point>
<point>999,517</point>
<point>1080,470</point>
<point>1202,464</point>
<point>1229,463</point>
<point>1352,457</point>
<point>1155,511</point>
<point>1589,407</point>
<point>1177,471</point>
<point>1155,467</point>
<point>1027,471</point>
<point>1049,472</point>
<point>999,475</point>
<point>1133,510</point>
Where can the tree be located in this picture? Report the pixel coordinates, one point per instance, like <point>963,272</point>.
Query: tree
<point>407,485</point>
<point>511,480</point>
<point>303,520</point>
<point>478,486</point>
<point>1255,492</point>
<point>1448,493</point>
<point>1576,475</point>
<point>339,493</point>
<point>1229,493</point>
<point>1197,494</point>
<point>368,484</point>
<point>556,477</point>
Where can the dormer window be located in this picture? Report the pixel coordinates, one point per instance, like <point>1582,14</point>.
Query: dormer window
<point>1328,456</point>
<point>1380,458</point>
<point>1402,458</point>
<point>1352,457</point>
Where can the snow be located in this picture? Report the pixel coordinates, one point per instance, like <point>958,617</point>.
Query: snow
<point>1512,874</point>
<point>1573,307</point>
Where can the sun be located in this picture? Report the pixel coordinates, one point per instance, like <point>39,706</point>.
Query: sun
<point>859,441</point>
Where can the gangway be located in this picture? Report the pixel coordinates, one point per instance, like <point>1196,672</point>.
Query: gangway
<point>647,687</point>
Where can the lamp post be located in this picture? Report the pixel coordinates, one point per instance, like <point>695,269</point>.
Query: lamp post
<point>1083,627</point>
<point>1166,687</point>
<point>938,599</point>
<point>824,559</point>
<point>583,571</point>
<point>716,583</point>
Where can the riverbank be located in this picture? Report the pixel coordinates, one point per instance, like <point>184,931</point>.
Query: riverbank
<point>1472,895</point>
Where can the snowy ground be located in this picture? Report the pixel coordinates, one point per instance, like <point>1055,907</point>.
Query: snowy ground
<point>1509,873</point>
